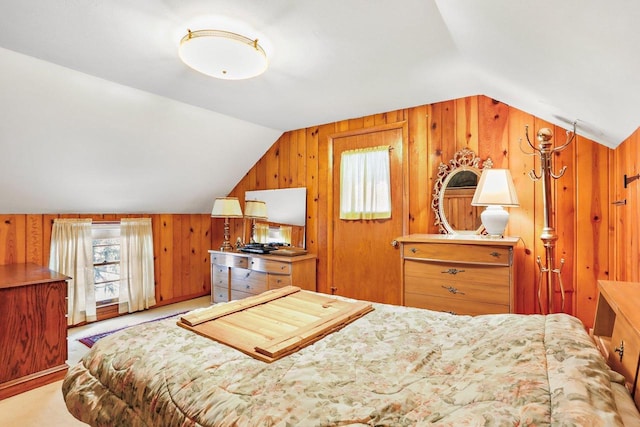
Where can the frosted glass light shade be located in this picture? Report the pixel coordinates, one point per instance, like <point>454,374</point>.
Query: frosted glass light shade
<point>223,54</point>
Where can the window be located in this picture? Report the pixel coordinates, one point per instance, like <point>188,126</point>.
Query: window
<point>106,262</point>
<point>365,184</point>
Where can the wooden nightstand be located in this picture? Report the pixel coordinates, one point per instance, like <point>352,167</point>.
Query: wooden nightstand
<point>616,329</point>
<point>458,273</point>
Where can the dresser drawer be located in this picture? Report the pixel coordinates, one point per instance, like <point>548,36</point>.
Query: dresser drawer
<point>456,290</point>
<point>438,272</point>
<point>453,306</point>
<point>269,266</point>
<point>278,280</point>
<point>624,337</point>
<point>229,260</point>
<point>459,253</point>
<point>250,281</point>
<point>219,276</point>
<point>220,294</point>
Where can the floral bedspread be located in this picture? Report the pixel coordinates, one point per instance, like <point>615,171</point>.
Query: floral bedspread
<point>396,366</point>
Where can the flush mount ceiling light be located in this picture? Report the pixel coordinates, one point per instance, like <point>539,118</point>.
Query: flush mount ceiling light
<point>223,54</point>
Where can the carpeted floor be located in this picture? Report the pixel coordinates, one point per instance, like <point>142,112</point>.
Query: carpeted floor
<point>90,340</point>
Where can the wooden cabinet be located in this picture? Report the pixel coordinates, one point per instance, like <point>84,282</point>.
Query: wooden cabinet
<point>461,274</point>
<point>33,336</point>
<point>236,275</point>
<point>616,329</point>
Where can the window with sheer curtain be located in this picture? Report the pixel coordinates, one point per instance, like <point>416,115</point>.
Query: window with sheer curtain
<point>72,254</point>
<point>365,184</point>
<point>137,289</point>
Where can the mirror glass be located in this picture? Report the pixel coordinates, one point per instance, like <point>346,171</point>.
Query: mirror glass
<point>286,216</point>
<point>453,192</point>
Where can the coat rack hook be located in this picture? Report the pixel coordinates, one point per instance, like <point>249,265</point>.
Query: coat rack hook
<point>630,179</point>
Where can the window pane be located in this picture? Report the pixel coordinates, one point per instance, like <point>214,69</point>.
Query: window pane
<point>106,260</point>
<point>106,272</point>
<point>106,253</point>
<point>107,291</point>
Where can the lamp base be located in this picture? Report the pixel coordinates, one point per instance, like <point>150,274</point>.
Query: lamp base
<point>494,220</point>
<point>226,246</point>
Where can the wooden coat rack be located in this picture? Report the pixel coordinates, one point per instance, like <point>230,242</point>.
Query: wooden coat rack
<point>547,271</point>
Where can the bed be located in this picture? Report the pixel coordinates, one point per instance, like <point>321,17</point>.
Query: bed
<point>395,366</point>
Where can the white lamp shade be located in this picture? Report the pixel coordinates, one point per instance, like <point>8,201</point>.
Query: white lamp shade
<point>495,188</point>
<point>255,209</point>
<point>223,54</point>
<point>226,207</point>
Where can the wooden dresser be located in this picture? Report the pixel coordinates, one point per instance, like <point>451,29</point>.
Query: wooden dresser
<point>458,273</point>
<point>236,275</point>
<point>616,329</point>
<point>33,336</point>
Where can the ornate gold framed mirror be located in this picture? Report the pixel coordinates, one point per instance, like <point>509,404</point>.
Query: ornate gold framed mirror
<point>453,191</point>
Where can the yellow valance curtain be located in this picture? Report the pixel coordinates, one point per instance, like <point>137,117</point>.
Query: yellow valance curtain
<point>365,184</point>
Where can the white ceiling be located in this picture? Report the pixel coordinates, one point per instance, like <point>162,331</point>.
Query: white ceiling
<point>329,60</point>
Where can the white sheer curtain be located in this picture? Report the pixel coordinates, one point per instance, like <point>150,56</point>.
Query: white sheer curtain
<point>137,287</point>
<point>72,255</point>
<point>365,184</point>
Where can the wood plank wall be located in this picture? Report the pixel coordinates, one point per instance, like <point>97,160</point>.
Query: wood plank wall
<point>181,243</point>
<point>625,229</point>
<point>491,129</point>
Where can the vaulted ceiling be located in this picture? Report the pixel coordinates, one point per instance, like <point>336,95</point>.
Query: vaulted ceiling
<point>100,115</point>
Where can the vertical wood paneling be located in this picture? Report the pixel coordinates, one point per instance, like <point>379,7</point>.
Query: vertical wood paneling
<point>466,123</point>
<point>521,219</point>
<point>311,182</point>
<point>565,207</point>
<point>493,131</point>
<point>27,238</point>
<point>420,212</point>
<point>284,161</point>
<point>272,167</point>
<point>435,132</point>
<point>447,142</point>
<point>591,246</point>
<point>12,239</point>
<point>47,227</point>
<point>166,258</point>
<point>323,173</point>
<point>33,237</point>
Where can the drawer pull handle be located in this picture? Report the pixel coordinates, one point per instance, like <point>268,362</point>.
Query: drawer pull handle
<point>620,350</point>
<point>452,290</point>
<point>495,254</point>
<point>247,275</point>
<point>248,287</point>
<point>453,271</point>
<point>413,250</point>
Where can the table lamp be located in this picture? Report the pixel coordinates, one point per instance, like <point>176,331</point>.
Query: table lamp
<point>495,191</point>
<point>255,209</point>
<point>226,207</point>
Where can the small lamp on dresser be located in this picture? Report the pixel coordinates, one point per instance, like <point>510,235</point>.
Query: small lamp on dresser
<point>255,210</point>
<point>226,207</point>
<point>495,191</point>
